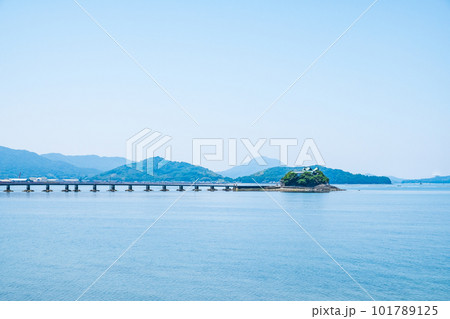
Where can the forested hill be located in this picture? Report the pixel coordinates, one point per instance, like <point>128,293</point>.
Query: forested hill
<point>161,170</point>
<point>336,176</point>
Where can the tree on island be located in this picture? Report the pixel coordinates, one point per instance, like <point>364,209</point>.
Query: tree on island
<point>306,178</point>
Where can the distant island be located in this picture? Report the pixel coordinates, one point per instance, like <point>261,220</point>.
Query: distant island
<point>306,178</point>
<point>435,179</point>
<point>306,181</point>
<point>336,176</point>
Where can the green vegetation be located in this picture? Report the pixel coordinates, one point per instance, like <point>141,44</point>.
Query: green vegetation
<point>308,178</point>
<point>336,176</point>
<point>290,179</point>
<point>161,170</point>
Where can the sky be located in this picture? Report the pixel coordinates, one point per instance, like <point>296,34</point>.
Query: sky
<point>377,102</point>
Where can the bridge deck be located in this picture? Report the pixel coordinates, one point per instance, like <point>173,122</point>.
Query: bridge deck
<point>63,183</point>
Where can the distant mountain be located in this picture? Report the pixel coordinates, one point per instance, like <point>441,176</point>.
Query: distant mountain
<point>88,161</point>
<point>336,176</point>
<point>396,179</point>
<point>251,168</point>
<point>435,179</point>
<point>28,164</point>
<point>162,171</point>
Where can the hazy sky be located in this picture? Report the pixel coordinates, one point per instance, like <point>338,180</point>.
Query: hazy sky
<point>378,102</point>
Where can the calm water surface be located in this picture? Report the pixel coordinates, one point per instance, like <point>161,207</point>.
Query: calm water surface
<point>394,240</point>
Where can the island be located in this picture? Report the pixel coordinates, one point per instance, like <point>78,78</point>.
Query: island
<point>306,181</point>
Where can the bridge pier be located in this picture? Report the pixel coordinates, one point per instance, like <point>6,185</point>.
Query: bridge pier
<point>112,187</point>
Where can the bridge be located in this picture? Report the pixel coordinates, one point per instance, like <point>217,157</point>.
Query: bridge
<point>74,186</point>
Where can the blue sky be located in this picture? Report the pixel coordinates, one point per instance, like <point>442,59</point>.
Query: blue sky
<point>378,102</point>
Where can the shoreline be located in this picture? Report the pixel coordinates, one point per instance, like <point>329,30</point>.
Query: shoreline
<point>289,189</point>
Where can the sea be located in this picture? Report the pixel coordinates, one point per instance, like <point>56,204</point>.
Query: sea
<point>381,242</point>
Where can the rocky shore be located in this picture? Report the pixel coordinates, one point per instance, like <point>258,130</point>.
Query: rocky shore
<point>323,188</point>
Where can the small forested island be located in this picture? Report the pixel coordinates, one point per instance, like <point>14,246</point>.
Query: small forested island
<point>307,178</point>
<point>306,181</point>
